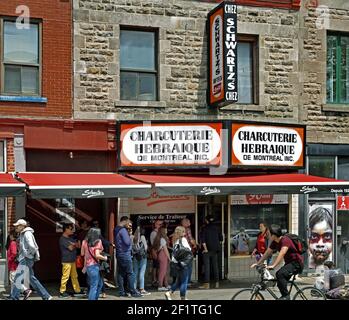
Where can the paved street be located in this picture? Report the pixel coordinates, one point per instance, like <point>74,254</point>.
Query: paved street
<point>227,290</point>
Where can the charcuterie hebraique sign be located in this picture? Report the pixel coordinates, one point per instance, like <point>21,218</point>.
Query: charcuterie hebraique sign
<point>256,145</point>
<point>170,144</point>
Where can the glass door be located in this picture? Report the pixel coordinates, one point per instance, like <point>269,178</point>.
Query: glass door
<point>219,211</point>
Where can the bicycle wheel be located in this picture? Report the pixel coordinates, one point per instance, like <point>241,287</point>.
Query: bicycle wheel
<point>247,294</point>
<point>309,293</point>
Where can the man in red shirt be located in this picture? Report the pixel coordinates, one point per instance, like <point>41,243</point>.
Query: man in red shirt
<point>287,252</point>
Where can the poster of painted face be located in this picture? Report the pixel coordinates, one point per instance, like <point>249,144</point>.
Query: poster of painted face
<point>320,234</point>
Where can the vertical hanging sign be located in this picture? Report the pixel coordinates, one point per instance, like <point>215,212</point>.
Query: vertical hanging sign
<point>222,47</point>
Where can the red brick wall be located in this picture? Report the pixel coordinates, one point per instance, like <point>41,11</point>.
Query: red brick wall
<point>56,78</point>
<point>11,204</point>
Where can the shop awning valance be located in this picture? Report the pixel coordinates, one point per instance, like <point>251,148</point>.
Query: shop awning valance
<point>288,183</point>
<point>48,185</point>
<point>10,187</point>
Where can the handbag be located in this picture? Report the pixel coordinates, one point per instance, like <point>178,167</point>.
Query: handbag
<point>79,261</point>
<point>103,265</point>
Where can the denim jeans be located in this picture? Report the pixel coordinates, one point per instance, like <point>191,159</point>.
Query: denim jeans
<point>25,272</point>
<point>95,282</point>
<point>139,267</point>
<point>181,281</point>
<point>190,271</point>
<point>125,269</point>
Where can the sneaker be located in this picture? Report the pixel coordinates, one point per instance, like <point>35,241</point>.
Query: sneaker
<point>48,298</point>
<point>144,293</point>
<point>136,295</point>
<point>123,295</point>
<point>26,294</point>
<point>168,295</point>
<point>163,289</point>
<point>103,295</point>
<point>80,294</point>
<point>64,295</point>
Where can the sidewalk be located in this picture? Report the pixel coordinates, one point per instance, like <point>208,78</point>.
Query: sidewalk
<point>225,292</point>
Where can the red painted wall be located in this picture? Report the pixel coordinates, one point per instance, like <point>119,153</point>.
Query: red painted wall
<point>56,78</point>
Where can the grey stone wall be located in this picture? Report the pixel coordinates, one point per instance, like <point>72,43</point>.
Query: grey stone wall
<point>326,123</point>
<point>291,58</point>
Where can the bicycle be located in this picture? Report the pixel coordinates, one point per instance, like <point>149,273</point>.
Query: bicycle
<point>268,281</point>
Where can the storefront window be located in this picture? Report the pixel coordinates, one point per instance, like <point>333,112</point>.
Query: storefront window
<point>343,168</point>
<point>245,220</point>
<point>2,228</point>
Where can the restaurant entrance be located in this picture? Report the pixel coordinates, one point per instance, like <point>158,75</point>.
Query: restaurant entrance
<point>217,207</point>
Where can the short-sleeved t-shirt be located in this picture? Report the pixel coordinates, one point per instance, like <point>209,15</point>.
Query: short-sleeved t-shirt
<point>67,255</point>
<point>163,243</point>
<point>89,260</point>
<point>291,254</point>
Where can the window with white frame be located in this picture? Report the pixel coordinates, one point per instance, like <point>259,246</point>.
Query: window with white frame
<point>20,59</point>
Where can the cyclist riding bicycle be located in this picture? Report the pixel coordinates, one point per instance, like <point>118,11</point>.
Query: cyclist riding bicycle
<point>293,260</point>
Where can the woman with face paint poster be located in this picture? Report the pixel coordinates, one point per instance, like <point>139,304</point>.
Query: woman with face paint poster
<point>320,235</point>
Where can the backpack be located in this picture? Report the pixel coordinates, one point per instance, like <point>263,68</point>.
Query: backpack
<point>182,254</point>
<point>300,243</point>
<point>138,251</point>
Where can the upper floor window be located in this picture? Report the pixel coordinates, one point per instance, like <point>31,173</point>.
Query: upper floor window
<point>138,65</point>
<point>247,70</point>
<point>338,68</point>
<point>322,166</point>
<point>20,59</point>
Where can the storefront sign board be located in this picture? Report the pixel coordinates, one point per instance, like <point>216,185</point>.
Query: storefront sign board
<point>223,56</point>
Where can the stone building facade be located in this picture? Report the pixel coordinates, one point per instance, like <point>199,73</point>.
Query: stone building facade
<point>291,75</point>
<point>290,71</point>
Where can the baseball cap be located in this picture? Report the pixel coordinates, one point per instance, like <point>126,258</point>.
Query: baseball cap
<point>20,222</point>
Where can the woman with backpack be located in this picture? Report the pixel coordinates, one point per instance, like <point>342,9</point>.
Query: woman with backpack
<point>139,257</point>
<point>181,249</point>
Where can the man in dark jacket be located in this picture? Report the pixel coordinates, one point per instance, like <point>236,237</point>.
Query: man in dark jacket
<point>211,243</point>
<point>123,245</point>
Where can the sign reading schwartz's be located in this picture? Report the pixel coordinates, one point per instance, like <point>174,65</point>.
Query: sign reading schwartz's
<point>223,73</point>
<point>170,144</point>
<point>267,145</point>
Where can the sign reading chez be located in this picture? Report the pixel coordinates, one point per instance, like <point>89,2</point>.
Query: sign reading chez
<point>267,145</point>
<point>170,144</point>
<point>223,73</point>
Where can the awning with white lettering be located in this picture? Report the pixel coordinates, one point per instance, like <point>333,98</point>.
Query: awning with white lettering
<point>10,187</point>
<point>46,185</point>
<point>289,183</point>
